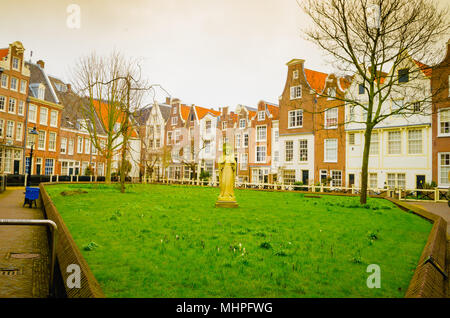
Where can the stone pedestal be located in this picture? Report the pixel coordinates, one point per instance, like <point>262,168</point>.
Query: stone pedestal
<point>227,204</point>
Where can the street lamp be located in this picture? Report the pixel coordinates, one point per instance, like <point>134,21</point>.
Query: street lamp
<point>32,132</point>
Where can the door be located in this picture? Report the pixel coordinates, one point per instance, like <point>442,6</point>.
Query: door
<point>38,169</point>
<point>420,180</point>
<point>305,176</point>
<point>16,166</point>
<point>351,179</point>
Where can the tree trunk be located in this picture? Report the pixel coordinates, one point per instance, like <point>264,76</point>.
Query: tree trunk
<point>365,166</point>
<point>108,171</point>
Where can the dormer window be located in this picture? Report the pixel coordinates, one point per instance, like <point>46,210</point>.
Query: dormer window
<point>38,90</point>
<point>174,110</point>
<point>361,89</point>
<point>15,63</point>
<point>261,115</point>
<point>295,74</point>
<point>174,120</point>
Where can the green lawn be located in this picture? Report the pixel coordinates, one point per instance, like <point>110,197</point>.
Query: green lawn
<point>170,241</point>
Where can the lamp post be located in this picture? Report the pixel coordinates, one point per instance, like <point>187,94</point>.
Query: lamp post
<point>32,132</point>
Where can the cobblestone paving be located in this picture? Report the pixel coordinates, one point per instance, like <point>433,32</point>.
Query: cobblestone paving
<point>33,274</point>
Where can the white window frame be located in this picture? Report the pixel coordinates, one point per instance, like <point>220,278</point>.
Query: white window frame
<point>389,141</point>
<point>294,114</point>
<point>79,145</point>
<point>9,131</point>
<point>19,131</point>
<point>291,151</point>
<point>63,145</point>
<point>259,149</point>
<point>23,86</point>
<point>53,118</point>
<point>296,92</point>
<point>41,118</point>
<point>261,115</point>
<point>440,183</point>
<point>12,102</point>
<point>70,146</point>
<point>32,109</point>
<point>327,157</point>
<point>21,108</point>
<point>417,142</point>
<point>13,62</point>
<point>374,148</point>
<point>4,81</point>
<point>3,104</point>
<point>303,151</point>
<point>329,112</point>
<point>260,137</point>
<point>242,123</point>
<point>44,141</point>
<point>51,143</point>
<point>443,134</point>
<point>295,74</point>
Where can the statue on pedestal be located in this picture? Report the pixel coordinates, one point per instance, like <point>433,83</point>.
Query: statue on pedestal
<point>227,173</point>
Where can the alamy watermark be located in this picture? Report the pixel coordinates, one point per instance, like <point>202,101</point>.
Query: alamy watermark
<point>374,279</point>
<point>73,20</point>
<point>74,278</point>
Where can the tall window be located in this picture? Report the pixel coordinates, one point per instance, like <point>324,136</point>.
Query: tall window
<point>295,118</point>
<point>444,122</point>
<point>361,89</point>
<point>174,120</point>
<point>53,118</point>
<point>19,131</point>
<point>303,143</point>
<point>244,161</point>
<point>9,129</point>
<point>14,84</point>
<point>238,141</point>
<point>351,113</point>
<point>374,144</point>
<point>224,125</point>
<point>331,150</point>
<point>444,168</point>
<point>52,141</point>
<point>261,154</point>
<point>12,105</point>
<point>63,145</point>
<point>415,141</point>
<point>295,74</point>
<point>245,140</point>
<point>4,81</point>
<point>80,145</point>
<point>15,63</point>
<point>261,133</point>
<point>394,142</point>
<point>43,116</point>
<point>2,122</point>
<point>207,146</point>
<point>373,180</point>
<point>27,165</point>
<point>87,146</point>
<point>241,123</point>
<point>289,151</point>
<point>296,92</point>
<point>2,103</point>
<point>277,135</point>
<point>331,118</point>
<point>23,86</point>
<point>32,112</point>
<point>41,140</point>
<point>276,156</point>
<point>21,107</point>
<point>49,166</point>
<point>208,126</point>
<point>70,150</point>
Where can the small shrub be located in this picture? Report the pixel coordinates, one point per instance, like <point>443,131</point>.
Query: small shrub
<point>265,245</point>
<point>373,235</point>
<point>91,246</point>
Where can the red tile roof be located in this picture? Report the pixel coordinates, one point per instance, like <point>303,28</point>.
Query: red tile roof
<point>102,110</point>
<point>202,112</point>
<point>316,79</point>
<point>185,111</point>
<point>273,110</point>
<point>3,53</point>
<point>426,69</point>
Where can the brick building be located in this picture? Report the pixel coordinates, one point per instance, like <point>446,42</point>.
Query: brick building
<point>441,121</point>
<point>14,80</point>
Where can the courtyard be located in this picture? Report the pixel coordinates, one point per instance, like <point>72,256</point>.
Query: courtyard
<point>170,241</point>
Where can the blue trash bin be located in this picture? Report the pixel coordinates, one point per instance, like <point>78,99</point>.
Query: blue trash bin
<point>31,195</point>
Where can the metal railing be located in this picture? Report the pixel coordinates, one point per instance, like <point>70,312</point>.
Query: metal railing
<point>53,228</point>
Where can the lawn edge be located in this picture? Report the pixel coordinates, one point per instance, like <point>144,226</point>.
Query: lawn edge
<point>67,253</point>
<point>429,279</point>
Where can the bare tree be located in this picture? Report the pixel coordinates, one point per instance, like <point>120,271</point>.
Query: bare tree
<point>376,41</point>
<point>191,158</point>
<point>112,90</point>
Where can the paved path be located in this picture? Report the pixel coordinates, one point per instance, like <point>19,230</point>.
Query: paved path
<point>441,209</point>
<point>31,280</point>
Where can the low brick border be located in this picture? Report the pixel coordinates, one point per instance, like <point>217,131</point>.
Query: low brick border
<point>67,253</point>
<point>430,278</point>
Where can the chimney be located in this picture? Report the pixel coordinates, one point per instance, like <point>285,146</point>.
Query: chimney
<point>41,63</point>
<point>69,87</point>
<point>168,100</point>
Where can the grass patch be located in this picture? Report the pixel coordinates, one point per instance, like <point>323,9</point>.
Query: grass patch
<point>170,241</point>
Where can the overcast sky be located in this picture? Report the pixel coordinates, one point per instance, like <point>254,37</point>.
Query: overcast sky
<point>211,53</point>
